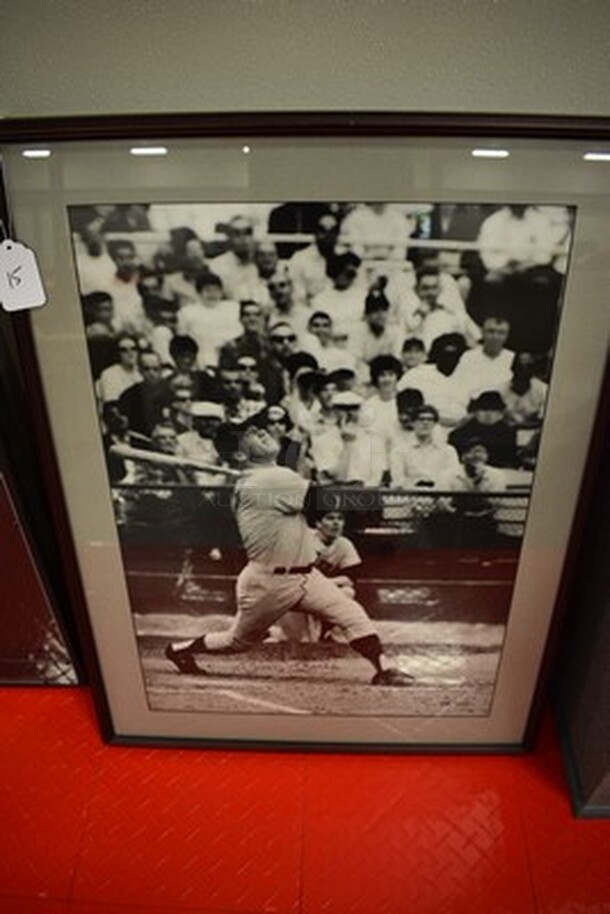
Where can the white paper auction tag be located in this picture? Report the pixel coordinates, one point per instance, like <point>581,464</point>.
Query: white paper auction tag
<point>20,281</point>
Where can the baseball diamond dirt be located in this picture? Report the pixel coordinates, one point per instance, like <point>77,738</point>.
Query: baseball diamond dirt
<point>454,662</point>
<point>454,665</point>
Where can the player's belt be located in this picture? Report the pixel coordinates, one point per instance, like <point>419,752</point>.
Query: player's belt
<point>294,569</point>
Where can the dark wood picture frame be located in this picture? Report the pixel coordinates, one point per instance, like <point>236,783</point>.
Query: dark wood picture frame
<point>294,126</point>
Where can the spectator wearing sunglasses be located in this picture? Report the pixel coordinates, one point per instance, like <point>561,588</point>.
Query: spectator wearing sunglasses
<point>124,373</point>
<point>273,374</point>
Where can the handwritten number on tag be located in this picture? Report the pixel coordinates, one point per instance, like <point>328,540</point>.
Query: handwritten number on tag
<point>21,284</point>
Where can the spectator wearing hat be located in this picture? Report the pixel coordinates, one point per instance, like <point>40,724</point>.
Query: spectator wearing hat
<point>345,379</point>
<point>424,460</point>
<point>343,300</point>
<point>198,443</point>
<point>489,365</point>
<point>489,426</point>
<point>412,355</point>
<point>201,443</point>
<point>435,379</point>
<point>375,335</point>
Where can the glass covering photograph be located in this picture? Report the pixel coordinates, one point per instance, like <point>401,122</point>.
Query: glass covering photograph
<point>321,424</point>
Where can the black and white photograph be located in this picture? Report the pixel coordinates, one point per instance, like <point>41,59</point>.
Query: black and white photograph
<point>321,424</point>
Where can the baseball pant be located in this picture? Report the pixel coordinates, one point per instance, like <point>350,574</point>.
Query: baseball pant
<point>264,597</point>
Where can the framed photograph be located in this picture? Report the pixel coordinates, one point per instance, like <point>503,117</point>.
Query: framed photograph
<point>33,648</point>
<point>321,462</point>
<point>37,646</point>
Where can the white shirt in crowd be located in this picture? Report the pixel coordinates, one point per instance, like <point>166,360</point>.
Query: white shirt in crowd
<point>114,380</point>
<point>477,372</point>
<point>422,461</point>
<point>345,307</point>
<point>307,270</point>
<point>438,390</point>
<point>210,327</point>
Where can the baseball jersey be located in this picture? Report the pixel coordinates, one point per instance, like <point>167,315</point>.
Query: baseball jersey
<point>337,556</point>
<point>268,504</point>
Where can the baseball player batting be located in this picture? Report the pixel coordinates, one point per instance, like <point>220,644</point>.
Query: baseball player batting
<point>269,502</point>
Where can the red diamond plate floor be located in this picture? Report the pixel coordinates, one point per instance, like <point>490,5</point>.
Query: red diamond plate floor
<point>91,829</point>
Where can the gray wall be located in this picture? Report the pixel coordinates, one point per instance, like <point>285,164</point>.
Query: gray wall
<point>90,56</point>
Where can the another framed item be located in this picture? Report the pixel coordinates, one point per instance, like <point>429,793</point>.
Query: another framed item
<point>36,641</point>
<point>33,648</point>
<point>322,461</point>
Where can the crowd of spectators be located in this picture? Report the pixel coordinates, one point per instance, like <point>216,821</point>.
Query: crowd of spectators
<point>402,346</point>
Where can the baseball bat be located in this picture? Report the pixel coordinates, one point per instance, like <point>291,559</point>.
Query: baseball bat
<point>134,453</point>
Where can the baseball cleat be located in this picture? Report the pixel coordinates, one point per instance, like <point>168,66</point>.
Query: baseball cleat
<point>392,677</point>
<point>184,662</point>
